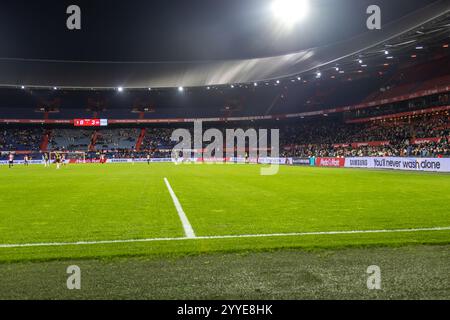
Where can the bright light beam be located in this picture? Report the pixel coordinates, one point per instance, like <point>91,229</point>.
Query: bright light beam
<point>290,12</point>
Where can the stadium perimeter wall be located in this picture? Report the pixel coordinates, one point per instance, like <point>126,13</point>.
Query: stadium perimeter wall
<point>391,163</point>
<point>262,160</point>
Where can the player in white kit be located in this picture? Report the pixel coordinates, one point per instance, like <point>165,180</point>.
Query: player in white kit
<point>11,160</point>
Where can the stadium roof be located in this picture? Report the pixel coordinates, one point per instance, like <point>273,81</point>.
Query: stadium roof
<point>425,25</point>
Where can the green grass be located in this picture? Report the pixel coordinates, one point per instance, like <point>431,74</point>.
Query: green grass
<point>412,272</point>
<point>120,202</point>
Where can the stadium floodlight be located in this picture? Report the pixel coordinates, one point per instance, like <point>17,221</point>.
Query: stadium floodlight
<point>386,52</point>
<point>299,78</point>
<point>289,12</point>
<point>55,88</point>
<point>360,61</point>
<point>120,89</point>
<point>180,89</point>
<point>23,87</point>
<point>318,74</point>
<point>255,84</point>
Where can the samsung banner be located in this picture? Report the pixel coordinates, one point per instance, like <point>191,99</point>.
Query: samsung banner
<point>411,164</point>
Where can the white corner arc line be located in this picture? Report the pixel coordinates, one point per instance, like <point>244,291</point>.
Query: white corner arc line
<point>299,234</point>
<point>188,231</point>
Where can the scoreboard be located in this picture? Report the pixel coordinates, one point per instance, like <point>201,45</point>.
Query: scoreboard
<point>90,122</point>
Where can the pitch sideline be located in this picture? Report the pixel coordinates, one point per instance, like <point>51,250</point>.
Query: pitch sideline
<point>300,234</point>
<point>188,230</point>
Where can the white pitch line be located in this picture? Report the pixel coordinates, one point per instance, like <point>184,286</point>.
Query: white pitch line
<point>60,244</point>
<point>188,231</point>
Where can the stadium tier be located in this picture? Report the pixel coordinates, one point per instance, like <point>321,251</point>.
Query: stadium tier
<point>421,135</point>
<point>425,77</point>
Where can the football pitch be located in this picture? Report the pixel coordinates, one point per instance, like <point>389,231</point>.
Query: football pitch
<point>166,210</point>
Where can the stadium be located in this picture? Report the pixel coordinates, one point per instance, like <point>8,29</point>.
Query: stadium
<point>300,168</point>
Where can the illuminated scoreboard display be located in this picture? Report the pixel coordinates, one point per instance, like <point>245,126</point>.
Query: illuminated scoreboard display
<point>90,122</point>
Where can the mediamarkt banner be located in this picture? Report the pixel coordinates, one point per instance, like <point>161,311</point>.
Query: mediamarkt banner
<point>411,164</point>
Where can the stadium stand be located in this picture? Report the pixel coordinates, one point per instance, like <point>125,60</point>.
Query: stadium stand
<point>70,139</point>
<point>115,139</point>
<point>419,135</point>
<point>20,139</point>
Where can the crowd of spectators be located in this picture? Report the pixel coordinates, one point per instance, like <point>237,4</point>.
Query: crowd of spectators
<point>116,139</point>
<point>396,138</point>
<point>158,138</point>
<point>20,139</point>
<point>74,140</point>
<point>430,149</point>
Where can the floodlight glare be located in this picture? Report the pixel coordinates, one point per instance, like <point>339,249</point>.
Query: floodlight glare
<point>180,89</point>
<point>290,11</point>
<point>120,89</point>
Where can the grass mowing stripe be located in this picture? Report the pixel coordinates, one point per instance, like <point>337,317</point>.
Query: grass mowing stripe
<point>50,244</point>
<point>184,220</point>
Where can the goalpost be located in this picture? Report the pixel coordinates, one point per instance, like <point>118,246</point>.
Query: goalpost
<point>69,156</point>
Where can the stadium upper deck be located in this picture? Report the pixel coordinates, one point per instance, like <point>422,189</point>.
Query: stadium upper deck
<point>424,75</point>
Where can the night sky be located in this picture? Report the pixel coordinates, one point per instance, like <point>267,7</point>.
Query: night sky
<point>172,30</point>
